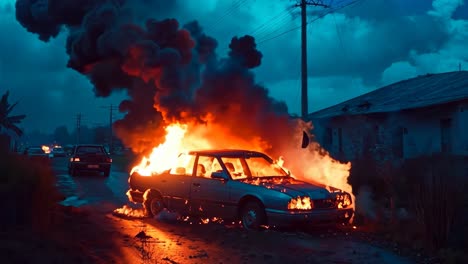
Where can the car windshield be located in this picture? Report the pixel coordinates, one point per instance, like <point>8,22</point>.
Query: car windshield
<point>254,166</point>
<point>89,150</point>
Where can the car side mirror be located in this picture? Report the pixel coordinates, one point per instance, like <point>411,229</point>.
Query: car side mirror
<point>221,175</point>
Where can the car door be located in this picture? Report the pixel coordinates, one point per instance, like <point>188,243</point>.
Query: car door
<point>209,197</point>
<point>177,183</point>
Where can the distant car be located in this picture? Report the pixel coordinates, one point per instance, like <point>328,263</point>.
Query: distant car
<point>36,153</point>
<point>89,158</point>
<point>238,184</point>
<point>58,152</point>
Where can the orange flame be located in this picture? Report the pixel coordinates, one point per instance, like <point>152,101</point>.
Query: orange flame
<point>300,203</point>
<point>313,164</point>
<point>165,155</point>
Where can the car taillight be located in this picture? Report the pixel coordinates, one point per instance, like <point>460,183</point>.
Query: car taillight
<point>109,160</point>
<point>74,159</point>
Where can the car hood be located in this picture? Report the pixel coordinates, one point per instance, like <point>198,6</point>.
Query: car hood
<point>293,188</point>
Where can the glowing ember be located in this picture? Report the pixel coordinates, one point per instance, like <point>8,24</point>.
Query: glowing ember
<point>345,203</point>
<point>300,203</point>
<point>131,212</point>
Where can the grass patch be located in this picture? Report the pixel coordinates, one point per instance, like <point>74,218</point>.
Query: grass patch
<point>432,191</point>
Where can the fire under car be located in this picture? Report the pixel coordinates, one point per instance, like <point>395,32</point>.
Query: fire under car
<point>239,185</point>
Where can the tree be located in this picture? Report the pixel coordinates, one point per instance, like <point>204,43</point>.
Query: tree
<point>7,121</point>
<point>61,135</point>
<point>101,134</point>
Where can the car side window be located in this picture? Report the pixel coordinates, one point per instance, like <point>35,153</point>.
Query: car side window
<point>184,165</point>
<point>207,165</point>
<point>234,167</point>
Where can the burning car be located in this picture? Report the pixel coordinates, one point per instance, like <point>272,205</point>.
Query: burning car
<point>237,184</point>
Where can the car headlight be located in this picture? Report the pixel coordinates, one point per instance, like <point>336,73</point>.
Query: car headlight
<point>301,203</point>
<point>344,200</point>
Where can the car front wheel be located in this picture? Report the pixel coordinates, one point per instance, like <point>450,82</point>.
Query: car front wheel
<point>253,215</point>
<point>153,205</point>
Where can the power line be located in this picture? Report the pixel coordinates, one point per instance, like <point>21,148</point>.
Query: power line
<point>311,21</point>
<point>228,12</point>
<point>338,32</point>
<point>277,26</point>
<point>277,16</point>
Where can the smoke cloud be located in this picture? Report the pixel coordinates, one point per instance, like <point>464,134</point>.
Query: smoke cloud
<point>170,72</point>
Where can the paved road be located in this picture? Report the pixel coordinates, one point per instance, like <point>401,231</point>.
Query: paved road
<point>176,241</point>
<point>90,188</point>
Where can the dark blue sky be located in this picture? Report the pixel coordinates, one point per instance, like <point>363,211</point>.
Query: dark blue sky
<point>351,51</point>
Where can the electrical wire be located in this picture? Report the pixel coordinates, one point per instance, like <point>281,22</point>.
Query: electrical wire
<point>313,20</point>
<point>280,15</point>
<point>228,12</point>
<point>274,28</point>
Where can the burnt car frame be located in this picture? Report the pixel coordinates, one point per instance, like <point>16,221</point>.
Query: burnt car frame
<point>239,185</point>
<point>89,157</point>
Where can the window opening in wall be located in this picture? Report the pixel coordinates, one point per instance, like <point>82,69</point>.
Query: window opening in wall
<point>398,144</point>
<point>378,133</point>
<point>446,135</point>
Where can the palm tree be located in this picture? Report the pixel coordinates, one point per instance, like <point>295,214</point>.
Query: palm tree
<point>6,121</point>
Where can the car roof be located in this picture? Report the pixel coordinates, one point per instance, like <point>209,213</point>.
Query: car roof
<point>227,152</point>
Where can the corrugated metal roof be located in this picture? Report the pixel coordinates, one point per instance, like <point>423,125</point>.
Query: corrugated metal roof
<point>422,91</point>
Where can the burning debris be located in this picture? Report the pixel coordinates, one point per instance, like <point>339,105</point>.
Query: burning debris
<point>130,212</point>
<point>301,203</point>
<point>182,96</point>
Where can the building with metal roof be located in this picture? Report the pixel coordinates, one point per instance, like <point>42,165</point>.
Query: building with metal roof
<point>422,91</point>
<point>419,116</point>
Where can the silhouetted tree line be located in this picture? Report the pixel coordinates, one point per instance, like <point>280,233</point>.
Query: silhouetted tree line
<point>63,136</point>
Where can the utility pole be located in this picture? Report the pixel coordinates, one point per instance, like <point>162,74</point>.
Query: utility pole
<point>111,133</point>
<point>304,95</point>
<point>111,140</point>
<point>78,128</point>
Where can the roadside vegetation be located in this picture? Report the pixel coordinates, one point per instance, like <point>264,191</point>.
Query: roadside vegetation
<point>28,191</point>
<point>419,205</point>
<point>33,227</point>
<point>124,161</point>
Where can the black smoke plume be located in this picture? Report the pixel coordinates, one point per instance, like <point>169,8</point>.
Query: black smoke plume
<point>170,72</point>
